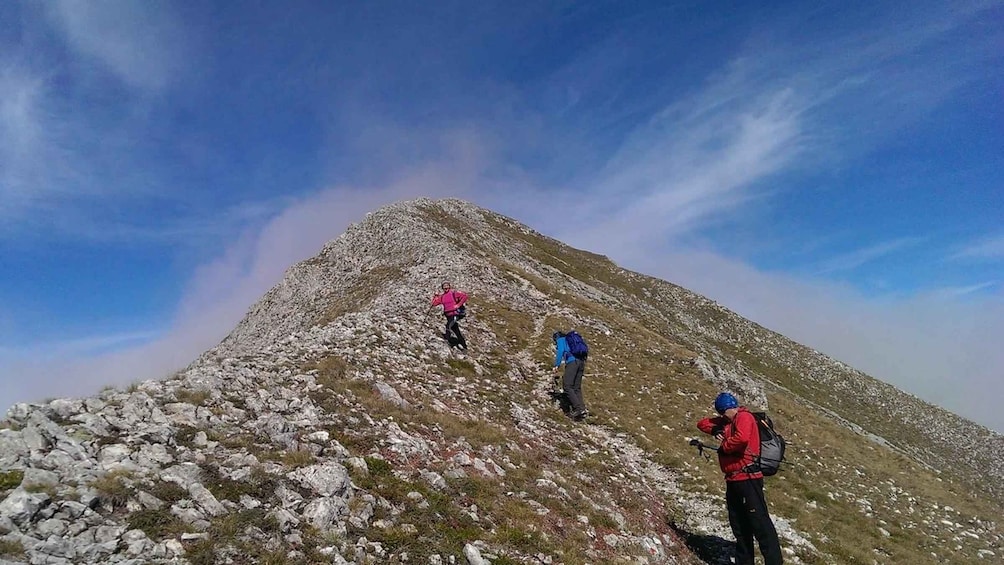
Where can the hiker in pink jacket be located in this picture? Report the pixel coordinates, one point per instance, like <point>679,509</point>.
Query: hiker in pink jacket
<point>453,302</point>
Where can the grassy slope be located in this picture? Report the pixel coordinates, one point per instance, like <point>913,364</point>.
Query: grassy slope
<point>840,485</point>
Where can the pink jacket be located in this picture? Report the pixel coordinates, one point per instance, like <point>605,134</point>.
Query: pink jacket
<point>450,301</point>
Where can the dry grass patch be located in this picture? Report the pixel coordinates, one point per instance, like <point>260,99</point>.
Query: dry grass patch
<point>260,485</point>
<point>11,425</point>
<point>185,436</point>
<point>167,491</point>
<point>51,490</point>
<point>445,527</point>
<point>461,367</point>
<point>239,533</point>
<point>114,488</point>
<point>12,549</point>
<point>451,427</point>
<point>156,523</point>
<point>331,368</point>
<point>194,396</point>
<point>298,458</point>
<point>368,285</point>
<point>513,327</point>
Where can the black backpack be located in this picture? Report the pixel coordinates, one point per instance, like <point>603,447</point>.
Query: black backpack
<point>461,312</point>
<point>771,445</point>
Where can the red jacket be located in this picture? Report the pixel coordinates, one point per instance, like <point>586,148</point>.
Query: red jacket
<point>741,445</point>
<point>451,301</point>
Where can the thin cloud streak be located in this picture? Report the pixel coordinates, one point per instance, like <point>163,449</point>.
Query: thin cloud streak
<point>960,291</point>
<point>28,154</point>
<point>684,171</point>
<point>77,348</point>
<point>986,249</point>
<point>68,159</point>
<point>140,43</point>
<point>859,257</point>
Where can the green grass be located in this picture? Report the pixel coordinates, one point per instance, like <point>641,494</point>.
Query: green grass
<point>167,491</point>
<point>245,533</point>
<point>11,549</point>
<point>156,523</point>
<point>11,479</point>
<point>259,485</point>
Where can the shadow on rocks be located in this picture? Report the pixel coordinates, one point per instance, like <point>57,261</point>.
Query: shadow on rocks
<point>707,548</point>
<point>452,340</point>
<point>562,399</point>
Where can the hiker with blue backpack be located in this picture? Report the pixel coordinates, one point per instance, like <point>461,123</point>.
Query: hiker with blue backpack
<point>571,351</point>
<point>738,455</point>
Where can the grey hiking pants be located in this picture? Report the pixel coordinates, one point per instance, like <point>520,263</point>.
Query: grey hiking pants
<point>572,384</point>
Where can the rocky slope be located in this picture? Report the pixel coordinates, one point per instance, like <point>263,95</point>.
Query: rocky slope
<point>334,425</point>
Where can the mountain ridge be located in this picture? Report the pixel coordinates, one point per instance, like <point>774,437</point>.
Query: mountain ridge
<point>752,336</point>
<point>334,423</point>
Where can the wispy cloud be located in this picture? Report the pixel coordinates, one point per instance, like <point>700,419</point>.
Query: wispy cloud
<point>685,169</point>
<point>70,143</point>
<point>77,348</point>
<point>30,151</point>
<point>778,107</point>
<point>854,259</point>
<point>961,291</point>
<point>140,43</point>
<point>990,248</point>
<point>47,174</point>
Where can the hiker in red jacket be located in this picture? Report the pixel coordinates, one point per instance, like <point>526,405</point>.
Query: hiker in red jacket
<point>453,302</point>
<point>739,433</point>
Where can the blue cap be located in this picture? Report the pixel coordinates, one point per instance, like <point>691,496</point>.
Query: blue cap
<point>724,401</point>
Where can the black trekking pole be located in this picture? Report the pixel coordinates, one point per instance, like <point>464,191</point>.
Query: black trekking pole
<point>701,447</point>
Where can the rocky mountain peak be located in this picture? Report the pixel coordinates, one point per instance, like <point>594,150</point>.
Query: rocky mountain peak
<point>335,425</point>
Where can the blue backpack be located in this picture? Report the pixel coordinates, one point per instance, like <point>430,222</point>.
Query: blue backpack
<point>576,345</point>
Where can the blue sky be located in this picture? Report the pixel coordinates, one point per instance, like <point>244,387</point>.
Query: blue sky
<point>833,171</point>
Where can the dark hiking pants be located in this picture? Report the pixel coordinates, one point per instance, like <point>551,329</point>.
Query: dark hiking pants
<point>749,519</point>
<point>454,327</point>
<point>572,384</point>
